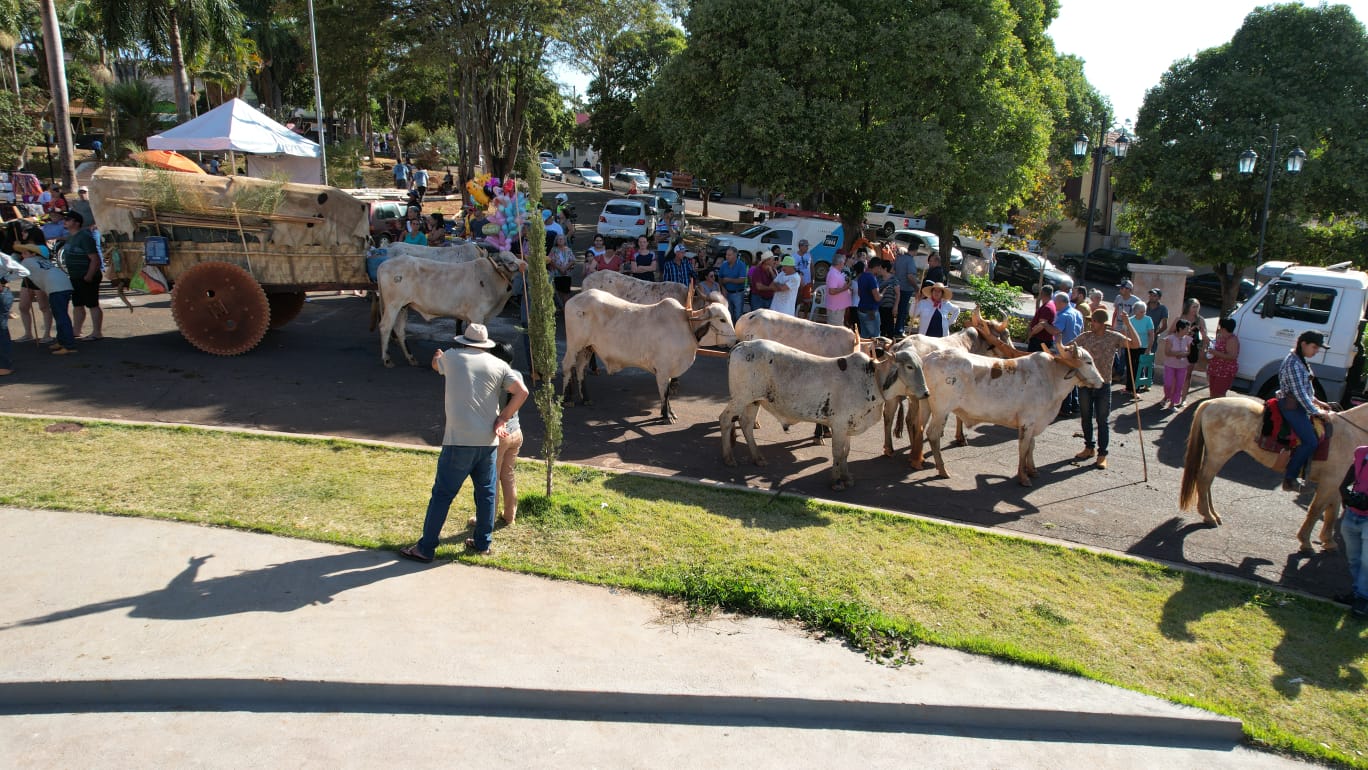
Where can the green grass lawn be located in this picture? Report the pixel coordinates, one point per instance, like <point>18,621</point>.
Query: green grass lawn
<point>1292,669</point>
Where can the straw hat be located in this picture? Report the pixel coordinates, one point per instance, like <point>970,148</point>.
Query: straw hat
<point>947,293</point>
<point>476,336</point>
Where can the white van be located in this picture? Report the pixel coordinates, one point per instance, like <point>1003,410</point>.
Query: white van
<point>1331,301</point>
<point>782,231</point>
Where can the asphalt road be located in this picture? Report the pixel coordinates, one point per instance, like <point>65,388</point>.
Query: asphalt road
<point>322,374</point>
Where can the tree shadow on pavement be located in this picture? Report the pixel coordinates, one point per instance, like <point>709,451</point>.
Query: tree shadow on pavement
<point>277,588</point>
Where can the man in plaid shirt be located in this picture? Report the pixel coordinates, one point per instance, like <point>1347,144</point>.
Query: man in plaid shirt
<point>1298,403</point>
<point>678,268</point>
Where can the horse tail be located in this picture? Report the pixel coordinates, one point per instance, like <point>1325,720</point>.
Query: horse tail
<point>1192,461</point>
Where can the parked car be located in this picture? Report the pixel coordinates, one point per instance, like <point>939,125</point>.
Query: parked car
<point>1207,288</point>
<point>549,170</point>
<point>386,222</point>
<point>714,191</point>
<point>974,245</point>
<point>585,176</point>
<point>668,197</point>
<point>546,156</point>
<point>625,219</point>
<point>915,239</point>
<point>664,179</point>
<point>624,181</point>
<point>887,218</point>
<point>1022,268</point>
<point>1104,265</point>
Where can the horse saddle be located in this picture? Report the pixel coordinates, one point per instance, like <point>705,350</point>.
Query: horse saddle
<point>1276,434</point>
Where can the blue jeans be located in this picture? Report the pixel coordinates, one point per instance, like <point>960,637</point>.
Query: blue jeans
<point>1300,421</point>
<point>760,303</point>
<point>1096,403</point>
<point>734,300</point>
<point>869,322</point>
<point>904,307</point>
<point>1354,528</point>
<point>60,302</point>
<point>453,466</point>
<point>6,302</point>
<point>1071,401</point>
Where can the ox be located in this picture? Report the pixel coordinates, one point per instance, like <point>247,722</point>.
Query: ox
<point>1022,393</point>
<point>981,337</point>
<point>845,393</point>
<point>643,292</point>
<point>469,291</point>
<point>663,338</point>
<point>457,251</point>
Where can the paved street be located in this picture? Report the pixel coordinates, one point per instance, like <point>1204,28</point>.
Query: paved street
<point>322,374</point>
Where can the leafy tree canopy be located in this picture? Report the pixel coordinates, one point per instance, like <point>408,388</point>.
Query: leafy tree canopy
<point>1303,69</point>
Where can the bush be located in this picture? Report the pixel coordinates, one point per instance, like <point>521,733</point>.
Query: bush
<point>994,300</point>
<point>412,135</point>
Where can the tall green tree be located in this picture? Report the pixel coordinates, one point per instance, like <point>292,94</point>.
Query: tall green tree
<point>616,126</point>
<point>834,100</point>
<point>17,131</point>
<point>541,325</point>
<point>1300,68</point>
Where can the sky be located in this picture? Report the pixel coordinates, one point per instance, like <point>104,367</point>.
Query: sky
<point>1127,46</point>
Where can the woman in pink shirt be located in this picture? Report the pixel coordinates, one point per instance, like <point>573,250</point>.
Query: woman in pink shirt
<point>838,293</point>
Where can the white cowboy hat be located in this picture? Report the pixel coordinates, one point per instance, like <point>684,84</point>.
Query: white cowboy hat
<point>946,292</point>
<point>476,336</point>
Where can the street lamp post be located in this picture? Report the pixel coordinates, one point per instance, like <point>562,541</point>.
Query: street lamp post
<point>1248,159</point>
<point>1117,148</point>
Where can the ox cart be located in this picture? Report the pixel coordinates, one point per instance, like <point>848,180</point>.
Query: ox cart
<point>238,252</point>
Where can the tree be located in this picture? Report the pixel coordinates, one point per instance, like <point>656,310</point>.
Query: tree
<point>61,106</point>
<point>134,102</point>
<point>1302,69</point>
<point>822,99</point>
<point>636,59</point>
<point>17,131</point>
<point>541,325</point>
<point>549,119</point>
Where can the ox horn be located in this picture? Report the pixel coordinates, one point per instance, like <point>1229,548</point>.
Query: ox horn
<point>688,298</point>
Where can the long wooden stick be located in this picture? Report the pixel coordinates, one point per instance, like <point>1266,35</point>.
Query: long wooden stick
<point>1139,426</point>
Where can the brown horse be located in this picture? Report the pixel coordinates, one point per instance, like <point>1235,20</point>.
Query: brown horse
<point>1221,427</point>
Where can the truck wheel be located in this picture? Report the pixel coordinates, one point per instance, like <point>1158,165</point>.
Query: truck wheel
<point>887,230</point>
<point>285,306</point>
<point>220,308</point>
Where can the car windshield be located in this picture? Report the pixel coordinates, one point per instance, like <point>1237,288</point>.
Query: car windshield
<point>548,165</point>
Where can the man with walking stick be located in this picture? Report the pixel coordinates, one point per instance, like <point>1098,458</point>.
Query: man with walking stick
<point>1095,403</point>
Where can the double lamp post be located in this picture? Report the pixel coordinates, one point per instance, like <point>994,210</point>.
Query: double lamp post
<point>1248,159</point>
<point>1118,148</point>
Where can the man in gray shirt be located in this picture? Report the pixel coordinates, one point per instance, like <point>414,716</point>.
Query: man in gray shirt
<point>475,422</point>
<point>905,270</point>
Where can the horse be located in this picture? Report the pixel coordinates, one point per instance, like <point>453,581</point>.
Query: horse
<point>1221,427</point>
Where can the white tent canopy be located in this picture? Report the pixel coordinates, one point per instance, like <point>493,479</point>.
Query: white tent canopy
<point>236,126</point>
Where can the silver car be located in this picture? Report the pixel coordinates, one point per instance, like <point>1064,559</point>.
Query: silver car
<point>585,176</point>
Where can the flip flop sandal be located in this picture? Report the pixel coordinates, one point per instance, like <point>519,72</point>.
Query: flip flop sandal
<point>414,554</point>
<point>470,545</point>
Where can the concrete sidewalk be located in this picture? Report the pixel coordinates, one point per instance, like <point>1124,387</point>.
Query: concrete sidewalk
<point>137,643</point>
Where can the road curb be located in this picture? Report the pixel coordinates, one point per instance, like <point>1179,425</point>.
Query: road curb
<point>312,696</point>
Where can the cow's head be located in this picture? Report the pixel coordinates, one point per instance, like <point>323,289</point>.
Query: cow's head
<point>991,337</point>
<point>712,325</point>
<point>1080,365</point>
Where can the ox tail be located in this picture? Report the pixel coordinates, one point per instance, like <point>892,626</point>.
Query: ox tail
<point>898,419</point>
<point>1192,461</point>
<point>377,308</point>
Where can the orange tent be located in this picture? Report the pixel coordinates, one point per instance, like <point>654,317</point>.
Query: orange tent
<point>168,159</point>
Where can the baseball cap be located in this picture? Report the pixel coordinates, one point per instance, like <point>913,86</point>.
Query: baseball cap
<point>1157,292</point>
<point>680,248</point>
<point>787,262</point>
<point>1125,285</point>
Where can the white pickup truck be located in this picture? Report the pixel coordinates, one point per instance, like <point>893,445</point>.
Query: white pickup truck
<point>886,218</point>
<point>1331,301</point>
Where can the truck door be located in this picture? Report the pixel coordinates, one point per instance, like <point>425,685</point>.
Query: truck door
<point>1269,330</point>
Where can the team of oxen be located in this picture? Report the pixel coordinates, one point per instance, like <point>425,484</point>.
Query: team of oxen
<point>796,370</point>
<point>805,372</point>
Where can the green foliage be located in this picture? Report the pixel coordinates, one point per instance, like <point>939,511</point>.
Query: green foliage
<point>1304,69</point>
<point>550,120</point>
<point>344,160</point>
<point>633,60</point>
<point>541,325</point>
<point>994,300</point>
<point>17,130</point>
<point>135,105</point>
<point>413,134</point>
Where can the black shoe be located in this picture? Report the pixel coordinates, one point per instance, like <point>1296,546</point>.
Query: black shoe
<point>1360,608</point>
<point>1291,485</point>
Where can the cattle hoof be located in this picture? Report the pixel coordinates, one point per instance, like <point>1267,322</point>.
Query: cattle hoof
<point>1032,472</point>
<point>389,364</point>
<point>838,486</point>
<point>940,474</point>
<point>1214,521</point>
<point>1024,481</point>
<point>959,442</point>
<point>916,465</point>
<point>888,453</point>
<point>762,462</point>
<point>1306,548</point>
<point>730,462</point>
<point>1329,547</point>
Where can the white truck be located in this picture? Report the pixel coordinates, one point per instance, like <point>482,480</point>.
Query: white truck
<point>885,217</point>
<point>1330,300</point>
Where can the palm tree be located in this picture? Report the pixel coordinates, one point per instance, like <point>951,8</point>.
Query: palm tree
<point>135,102</point>
<point>11,32</point>
<point>61,108</point>
<point>179,29</point>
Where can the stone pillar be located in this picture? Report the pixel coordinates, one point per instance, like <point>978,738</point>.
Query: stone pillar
<point>1170,279</point>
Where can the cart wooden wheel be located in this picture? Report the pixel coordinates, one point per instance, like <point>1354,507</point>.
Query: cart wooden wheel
<point>220,308</point>
<point>285,306</point>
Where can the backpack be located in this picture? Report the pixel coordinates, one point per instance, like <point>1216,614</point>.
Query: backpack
<point>1357,496</point>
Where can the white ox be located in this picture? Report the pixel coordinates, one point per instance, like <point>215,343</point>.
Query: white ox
<point>663,338</point>
<point>981,337</point>
<point>846,394</point>
<point>457,251</point>
<point>469,291</point>
<point>1022,393</point>
<point>643,292</point>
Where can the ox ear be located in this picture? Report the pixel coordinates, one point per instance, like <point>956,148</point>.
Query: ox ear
<point>701,332</point>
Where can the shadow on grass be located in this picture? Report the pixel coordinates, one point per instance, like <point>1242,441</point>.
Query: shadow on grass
<point>772,511</point>
<point>277,588</point>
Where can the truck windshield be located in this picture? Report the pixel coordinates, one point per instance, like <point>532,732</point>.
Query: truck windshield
<point>1310,304</point>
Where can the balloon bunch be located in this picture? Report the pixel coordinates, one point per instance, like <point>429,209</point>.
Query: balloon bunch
<point>477,190</point>
<point>506,213</point>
